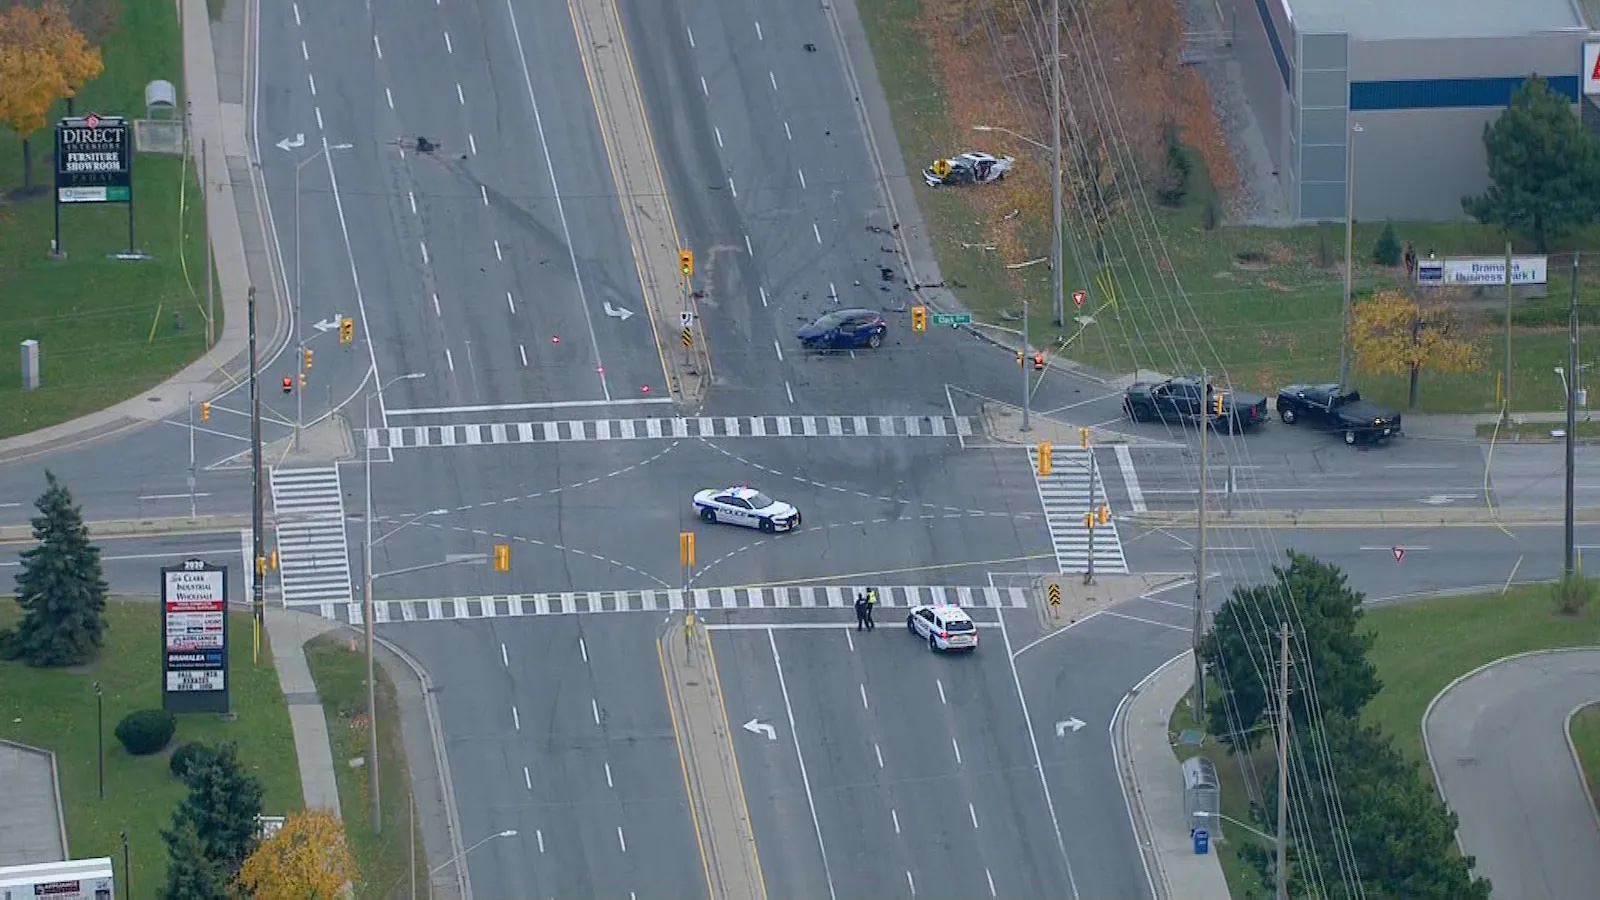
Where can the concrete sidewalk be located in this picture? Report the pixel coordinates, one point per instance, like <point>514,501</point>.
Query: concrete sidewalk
<point>1152,780</point>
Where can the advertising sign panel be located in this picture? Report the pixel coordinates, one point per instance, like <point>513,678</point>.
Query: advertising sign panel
<point>94,160</point>
<point>74,879</point>
<point>194,637</point>
<point>1488,271</point>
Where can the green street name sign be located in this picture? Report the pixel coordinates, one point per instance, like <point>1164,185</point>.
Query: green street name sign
<point>952,318</point>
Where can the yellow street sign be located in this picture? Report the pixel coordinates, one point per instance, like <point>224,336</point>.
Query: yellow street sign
<point>1054,593</point>
<point>941,167</point>
<point>502,557</point>
<point>686,549</point>
<point>688,337</point>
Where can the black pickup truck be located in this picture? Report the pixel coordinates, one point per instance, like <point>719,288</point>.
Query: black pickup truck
<point>1179,400</point>
<point>1327,407</point>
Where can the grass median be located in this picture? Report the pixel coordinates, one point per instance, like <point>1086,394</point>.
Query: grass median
<point>384,861</point>
<point>54,709</point>
<point>1585,732</point>
<point>108,329</point>
<point>1269,299</point>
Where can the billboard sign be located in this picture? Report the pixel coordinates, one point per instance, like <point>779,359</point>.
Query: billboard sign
<point>1488,271</point>
<point>194,637</point>
<point>94,160</point>
<point>74,879</point>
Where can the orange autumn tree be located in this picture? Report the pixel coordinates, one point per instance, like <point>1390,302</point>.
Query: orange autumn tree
<point>43,58</point>
<point>1394,334</point>
<point>308,859</point>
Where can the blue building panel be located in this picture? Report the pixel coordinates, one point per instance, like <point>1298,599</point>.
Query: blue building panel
<point>1447,93</point>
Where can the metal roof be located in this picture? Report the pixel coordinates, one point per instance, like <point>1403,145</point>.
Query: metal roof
<point>1386,20</point>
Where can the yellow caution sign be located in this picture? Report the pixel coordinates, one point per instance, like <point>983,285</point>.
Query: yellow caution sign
<point>1054,594</point>
<point>941,167</point>
<point>688,337</point>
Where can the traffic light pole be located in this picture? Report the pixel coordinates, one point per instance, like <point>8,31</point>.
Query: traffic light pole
<point>366,615</point>
<point>258,599</point>
<point>1022,366</point>
<point>193,512</point>
<point>1200,552</point>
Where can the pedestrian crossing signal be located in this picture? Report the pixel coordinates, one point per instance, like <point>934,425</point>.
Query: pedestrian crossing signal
<point>347,331</point>
<point>686,263</point>
<point>288,385</point>
<point>919,318</point>
<point>502,557</point>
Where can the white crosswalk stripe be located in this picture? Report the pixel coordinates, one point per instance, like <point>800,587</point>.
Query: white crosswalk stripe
<point>1072,488</point>
<point>567,603</point>
<point>313,553</point>
<point>575,430</point>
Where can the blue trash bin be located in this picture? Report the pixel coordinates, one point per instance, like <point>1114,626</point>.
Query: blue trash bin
<point>1202,842</point>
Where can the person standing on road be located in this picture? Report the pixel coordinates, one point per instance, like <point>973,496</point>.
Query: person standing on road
<point>872,602</point>
<point>862,615</point>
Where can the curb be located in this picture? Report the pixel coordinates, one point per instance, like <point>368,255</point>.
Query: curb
<point>1350,518</point>
<point>1577,761</point>
<point>1128,780</point>
<point>125,528</point>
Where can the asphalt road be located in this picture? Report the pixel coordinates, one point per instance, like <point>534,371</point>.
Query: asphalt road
<point>1498,745</point>
<point>131,566</point>
<point>559,729</point>
<point>893,771</point>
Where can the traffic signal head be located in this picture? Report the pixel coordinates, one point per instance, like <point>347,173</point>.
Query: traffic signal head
<point>288,385</point>
<point>919,318</point>
<point>1104,515</point>
<point>205,411</point>
<point>347,331</point>
<point>1216,404</point>
<point>1083,437</point>
<point>1046,458</point>
<point>686,263</point>
<point>502,557</point>
<point>308,357</point>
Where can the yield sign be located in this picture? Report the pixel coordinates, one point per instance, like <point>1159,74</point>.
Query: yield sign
<point>93,121</point>
<point>1078,297</point>
<point>1399,553</point>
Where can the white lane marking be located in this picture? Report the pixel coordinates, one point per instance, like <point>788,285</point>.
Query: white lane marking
<point>850,640</point>
<point>389,96</point>
<point>318,111</point>
<point>561,208</point>
<point>772,78</point>
<point>128,557</point>
<point>9,505</point>
<point>449,360</point>
<point>584,649</point>
<point>789,391</point>
<point>941,691</point>
<point>1038,759</point>
<point>527,779</point>
<point>297,14</point>
<point>376,46</point>
<point>313,81</point>
<point>500,257</point>
<point>956,747</point>
<point>817,232</point>
<point>306,54</point>
<point>703,89</point>
<point>718,132</point>
<point>733,187</point>
<point>759,35</point>
<point>973,812</point>
<point>896,817</point>
<point>1130,479</point>
<point>539,835</point>
<point>609,782</point>
<point>763,292</point>
<point>460,95</point>
<point>522,351</point>
<point>424,246</point>
<point>691,36</point>
<point>505,658</point>
<point>516,718</point>
<point>911,883</point>
<point>864,704</point>
<point>163,497</point>
<point>411,197</point>
<point>511,303</point>
<point>472,143</point>
<point>448,47</point>
<point>802,174</point>
<point>594,707</point>
<point>875,751</point>
<point>436,306</point>
<point>750,250</point>
<point>986,874</point>
<point>805,779</point>
<point>778,347</point>
<point>622,841</point>
<point>786,132</point>
<point>355,278</point>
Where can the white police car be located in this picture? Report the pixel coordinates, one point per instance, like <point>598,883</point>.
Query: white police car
<point>747,507</point>
<point>944,627</point>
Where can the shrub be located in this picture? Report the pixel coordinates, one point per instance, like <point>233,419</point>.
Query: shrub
<point>1387,251</point>
<point>189,756</point>
<point>1174,185</point>
<point>8,650</point>
<point>1573,593</point>
<point>146,731</point>
<point>1210,217</point>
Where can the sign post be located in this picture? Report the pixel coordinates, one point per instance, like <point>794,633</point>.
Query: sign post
<point>194,637</point>
<point>94,164</point>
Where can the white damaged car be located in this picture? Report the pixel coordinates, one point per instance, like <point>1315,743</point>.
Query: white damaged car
<point>968,168</point>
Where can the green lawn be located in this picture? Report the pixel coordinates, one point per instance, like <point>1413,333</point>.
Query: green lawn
<point>107,328</point>
<point>1243,882</point>
<point>1269,308</point>
<point>55,709</point>
<point>341,678</point>
<point>1585,731</point>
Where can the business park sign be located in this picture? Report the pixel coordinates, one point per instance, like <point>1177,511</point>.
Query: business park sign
<point>1487,271</point>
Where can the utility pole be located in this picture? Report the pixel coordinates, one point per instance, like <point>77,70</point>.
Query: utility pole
<point>1058,275</point>
<point>1283,762</point>
<point>367,615</point>
<point>1570,535</point>
<point>1349,253</point>
<point>1022,366</point>
<point>1505,409</point>
<point>193,512</point>
<point>211,305</point>
<point>258,522</point>
<point>1200,550</point>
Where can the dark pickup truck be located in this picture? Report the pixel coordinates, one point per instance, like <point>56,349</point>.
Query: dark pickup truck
<point>1326,407</point>
<point>1179,400</point>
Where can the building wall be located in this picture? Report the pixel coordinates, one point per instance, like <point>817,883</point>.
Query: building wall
<point>1321,126</point>
<point>1263,45</point>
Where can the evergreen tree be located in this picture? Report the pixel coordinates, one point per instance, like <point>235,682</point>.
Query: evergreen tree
<point>191,875</point>
<point>1386,252</point>
<point>59,588</point>
<point>1544,168</point>
<point>223,804</point>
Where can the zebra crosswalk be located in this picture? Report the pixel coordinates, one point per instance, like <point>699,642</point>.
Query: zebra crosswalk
<point>1074,487</point>
<point>576,430</point>
<point>313,553</point>
<point>572,602</point>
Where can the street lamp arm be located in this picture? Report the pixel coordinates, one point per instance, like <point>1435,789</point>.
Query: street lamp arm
<point>475,558</point>
<point>1024,138</point>
<point>510,832</point>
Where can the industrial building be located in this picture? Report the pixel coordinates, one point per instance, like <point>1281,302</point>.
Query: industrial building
<point>1392,96</point>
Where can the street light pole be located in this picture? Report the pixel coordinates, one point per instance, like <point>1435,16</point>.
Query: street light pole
<point>1349,253</point>
<point>1057,275</point>
<point>1569,535</point>
<point>100,734</point>
<point>1022,365</point>
<point>508,833</point>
